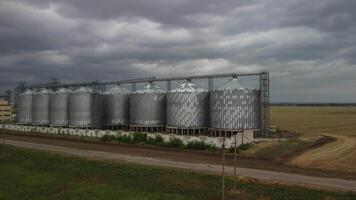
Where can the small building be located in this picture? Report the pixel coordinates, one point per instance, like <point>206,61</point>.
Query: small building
<point>5,111</point>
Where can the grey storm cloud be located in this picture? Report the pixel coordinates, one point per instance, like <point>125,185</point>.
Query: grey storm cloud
<point>309,47</point>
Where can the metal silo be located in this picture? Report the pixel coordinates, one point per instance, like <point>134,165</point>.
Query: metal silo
<point>24,107</point>
<point>233,107</point>
<point>85,108</point>
<point>187,106</point>
<point>116,106</point>
<point>58,108</point>
<point>40,107</point>
<point>148,106</point>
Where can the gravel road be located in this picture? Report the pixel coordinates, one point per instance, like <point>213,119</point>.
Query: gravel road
<point>264,175</point>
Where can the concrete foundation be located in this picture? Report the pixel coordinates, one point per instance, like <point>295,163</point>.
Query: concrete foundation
<point>244,137</point>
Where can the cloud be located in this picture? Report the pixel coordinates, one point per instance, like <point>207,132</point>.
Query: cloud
<point>308,48</point>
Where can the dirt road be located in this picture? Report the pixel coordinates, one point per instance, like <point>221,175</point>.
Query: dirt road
<point>280,177</point>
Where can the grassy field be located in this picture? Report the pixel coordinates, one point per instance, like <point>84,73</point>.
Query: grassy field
<point>337,122</point>
<point>275,150</point>
<point>27,174</point>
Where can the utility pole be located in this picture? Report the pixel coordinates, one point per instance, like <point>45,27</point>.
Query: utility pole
<point>2,141</point>
<point>235,152</point>
<point>223,168</point>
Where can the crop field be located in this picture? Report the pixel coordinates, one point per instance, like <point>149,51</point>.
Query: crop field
<point>337,122</point>
<point>29,174</point>
<point>333,120</point>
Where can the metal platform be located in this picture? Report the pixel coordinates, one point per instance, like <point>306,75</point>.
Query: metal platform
<point>84,127</point>
<point>116,127</point>
<point>214,132</point>
<point>23,124</point>
<point>141,128</point>
<point>41,125</point>
<point>187,130</point>
<point>58,126</point>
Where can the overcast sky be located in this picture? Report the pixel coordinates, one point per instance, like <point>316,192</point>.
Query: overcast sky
<point>308,46</point>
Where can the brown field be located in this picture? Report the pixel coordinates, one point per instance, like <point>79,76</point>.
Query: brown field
<point>335,120</point>
<point>338,122</point>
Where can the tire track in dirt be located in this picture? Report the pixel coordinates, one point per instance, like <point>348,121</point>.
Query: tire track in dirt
<point>317,144</point>
<point>339,155</point>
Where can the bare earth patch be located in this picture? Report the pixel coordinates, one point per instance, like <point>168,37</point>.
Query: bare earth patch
<point>339,155</point>
<point>337,122</point>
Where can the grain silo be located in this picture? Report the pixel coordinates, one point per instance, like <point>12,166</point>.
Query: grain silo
<point>24,107</point>
<point>40,107</point>
<point>116,107</point>
<point>187,109</point>
<point>148,109</point>
<point>233,107</point>
<point>85,108</point>
<point>58,107</point>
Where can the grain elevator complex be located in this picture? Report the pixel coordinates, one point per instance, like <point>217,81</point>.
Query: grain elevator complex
<point>151,105</point>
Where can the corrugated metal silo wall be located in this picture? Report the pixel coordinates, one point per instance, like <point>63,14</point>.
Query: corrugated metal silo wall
<point>40,109</point>
<point>235,109</point>
<point>58,109</point>
<point>188,109</point>
<point>148,109</point>
<point>116,109</point>
<point>85,110</point>
<point>24,109</point>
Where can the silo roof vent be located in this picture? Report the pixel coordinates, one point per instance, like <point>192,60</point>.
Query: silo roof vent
<point>150,88</point>
<point>188,86</point>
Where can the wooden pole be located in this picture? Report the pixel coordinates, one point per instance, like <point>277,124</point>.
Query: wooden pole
<point>3,141</point>
<point>223,169</point>
<point>235,154</point>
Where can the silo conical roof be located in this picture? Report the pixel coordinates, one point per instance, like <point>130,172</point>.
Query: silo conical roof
<point>27,92</point>
<point>117,90</point>
<point>83,90</point>
<point>62,91</point>
<point>232,84</point>
<point>44,91</point>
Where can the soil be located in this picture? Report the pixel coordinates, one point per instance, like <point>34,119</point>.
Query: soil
<point>339,155</point>
<point>317,144</point>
